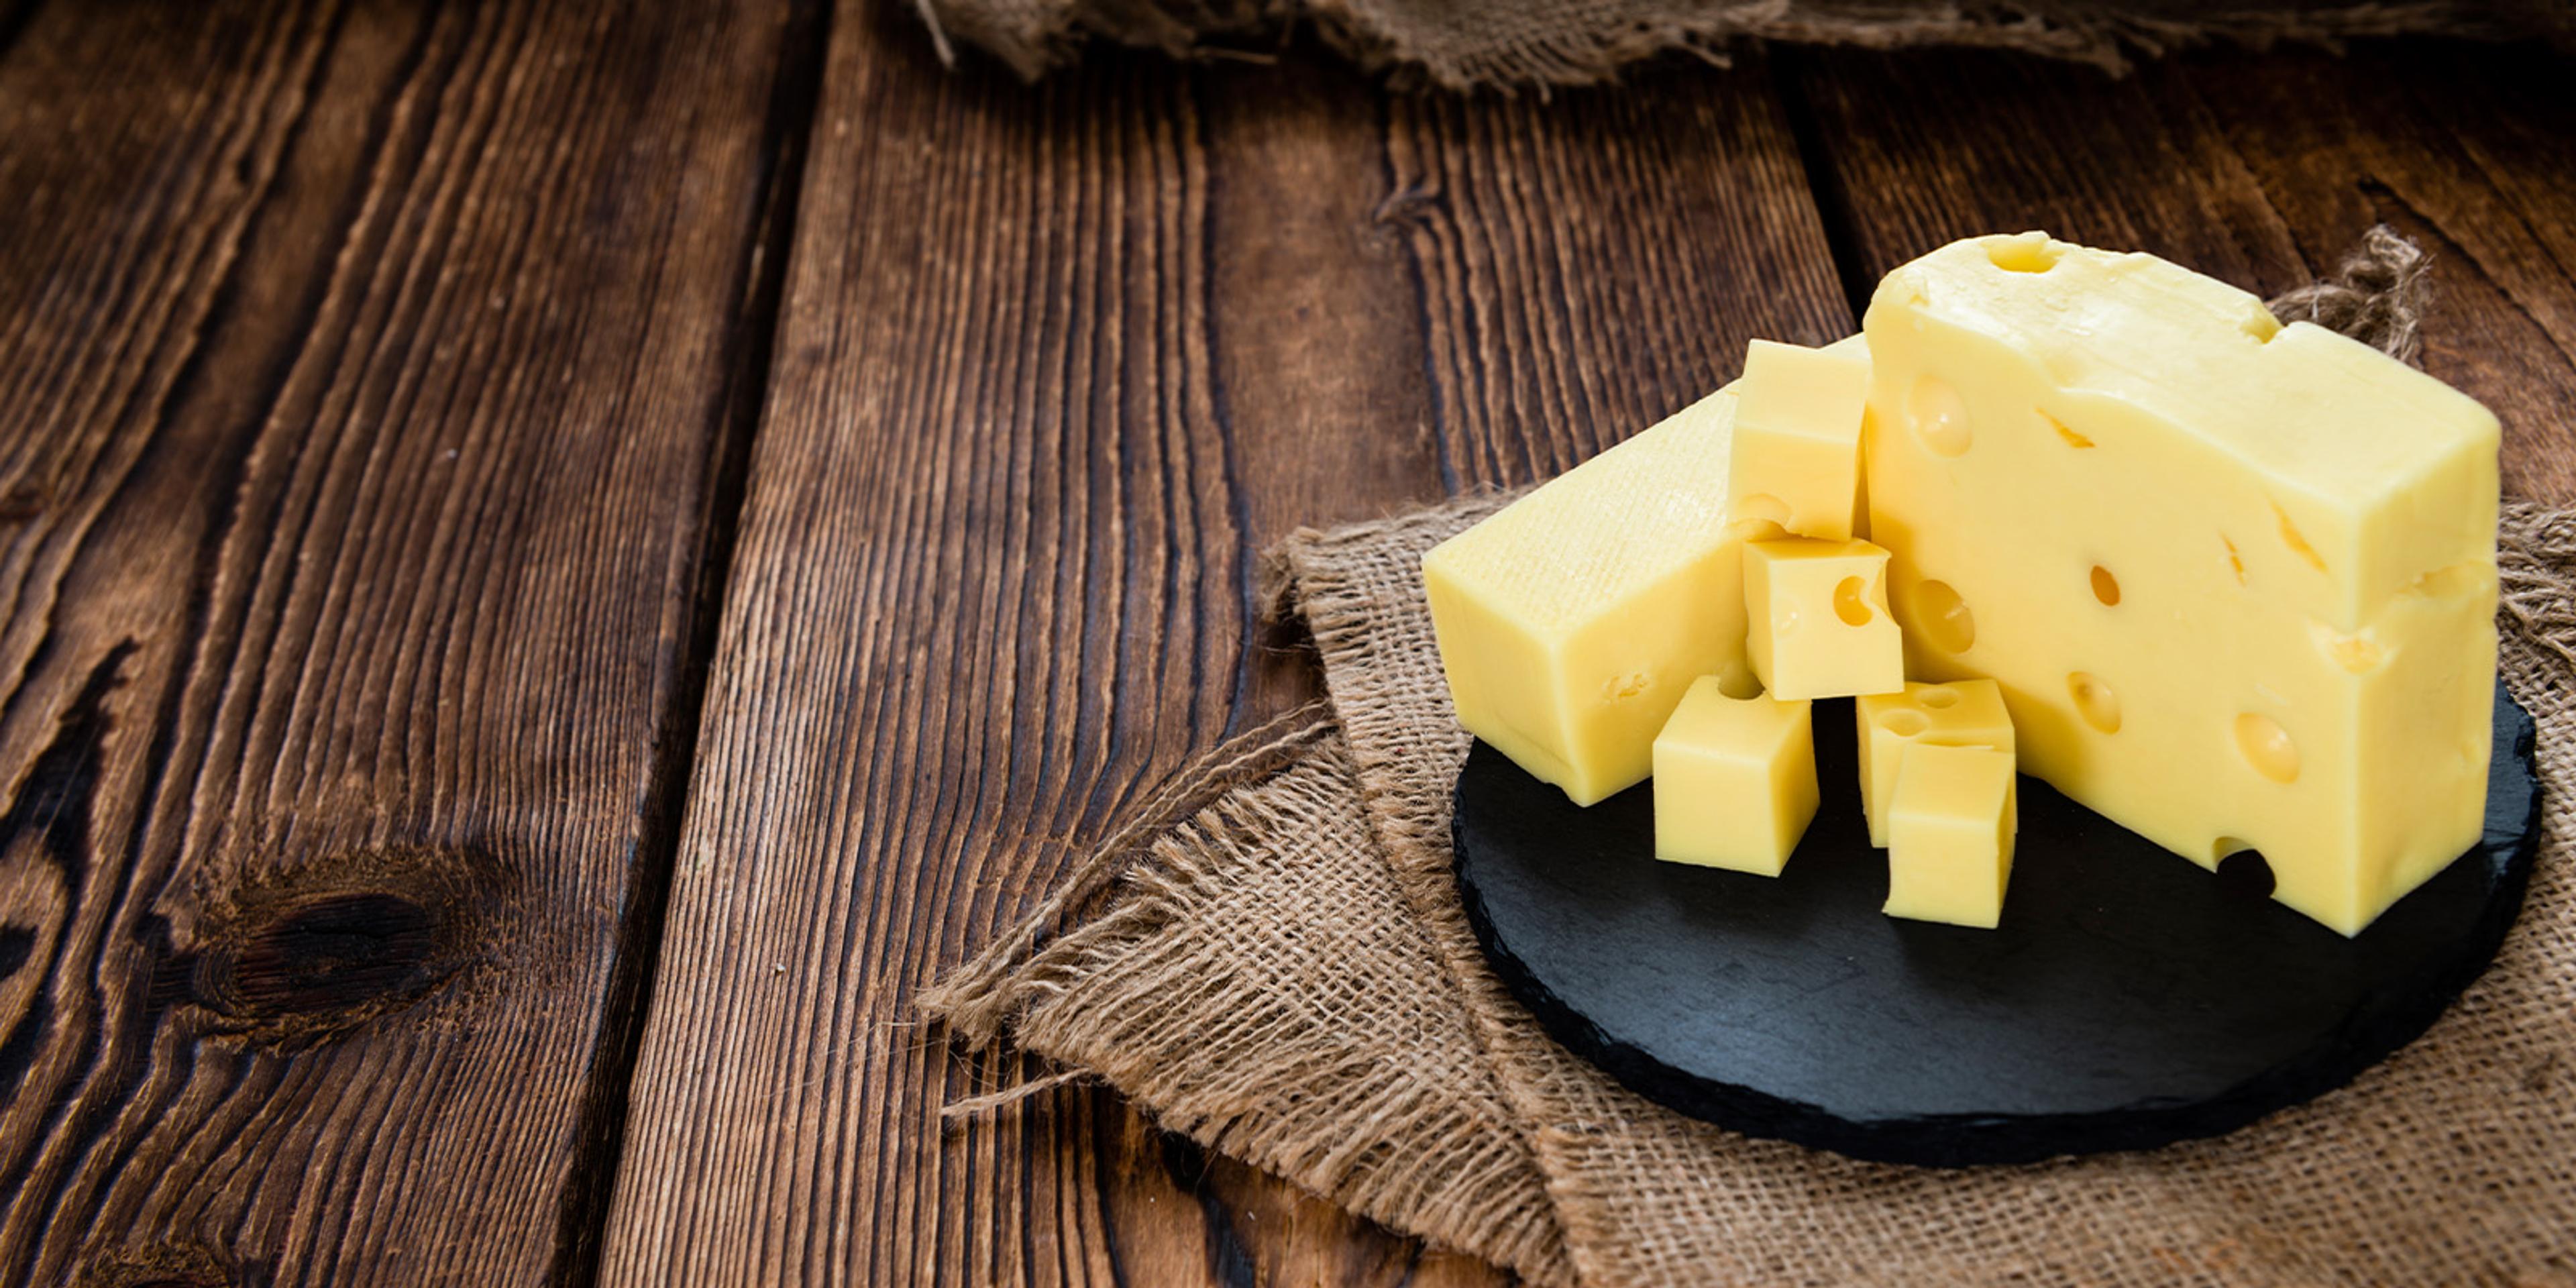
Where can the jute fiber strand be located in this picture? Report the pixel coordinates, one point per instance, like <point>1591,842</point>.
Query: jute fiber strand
<point>1463,44</point>
<point>1273,960</point>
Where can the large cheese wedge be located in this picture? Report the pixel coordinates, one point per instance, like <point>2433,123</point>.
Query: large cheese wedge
<point>2236,580</point>
<point>1571,622</point>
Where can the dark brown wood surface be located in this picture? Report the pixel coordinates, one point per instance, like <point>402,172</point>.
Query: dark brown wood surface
<point>391,718</point>
<point>366,374</point>
<point>1055,366</point>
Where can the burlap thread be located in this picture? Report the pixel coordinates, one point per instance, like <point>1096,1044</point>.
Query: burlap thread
<point>1284,973</point>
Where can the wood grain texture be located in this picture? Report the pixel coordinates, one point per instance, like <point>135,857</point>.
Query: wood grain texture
<point>376,383</point>
<point>1056,362</point>
<point>363,385</point>
<point>2261,170</point>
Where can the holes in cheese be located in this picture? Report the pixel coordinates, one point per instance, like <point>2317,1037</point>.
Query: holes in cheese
<point>1620,688</point>
<point>2095,701</point>
<point>2106,587</point>
<point>1759,516</point>
<point>1850,602</point>
<point>2065,435</point>
<point>2235,559</point>
<point>2245,873</point>
<point>2296,540</point>
<point>2029,252</point>
<point>2267,747</point>
<point>1738,681</point>
<point>2359,653</point>
<point>1941,619</point>
<point>1939,416</point>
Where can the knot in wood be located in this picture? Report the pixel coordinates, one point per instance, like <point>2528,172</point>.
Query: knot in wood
<point>312,953</point>
<point>164,1266</point>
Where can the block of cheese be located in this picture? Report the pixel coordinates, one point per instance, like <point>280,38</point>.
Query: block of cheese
<point>1795,467</point>
<point>2236,579</point>
<point>1817,619</point>
<point>1735,780</point>
<point>1950,835</point>
<point>1571,622</point>
<point>1962,713</point>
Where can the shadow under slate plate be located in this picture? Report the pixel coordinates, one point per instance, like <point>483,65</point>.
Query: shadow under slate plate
<point>2130,999</point>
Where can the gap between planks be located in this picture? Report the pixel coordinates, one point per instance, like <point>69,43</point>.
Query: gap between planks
<point>795,95</point>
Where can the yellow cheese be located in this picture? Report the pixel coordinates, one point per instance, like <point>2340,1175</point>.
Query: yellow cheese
<point>1571,622</point>
<point>1964,713</point>
<point>1950,835</point>
<point>1735,780</point>
<point>1817,619</point>
<point>1795,470</point>
<point>2237,580</point>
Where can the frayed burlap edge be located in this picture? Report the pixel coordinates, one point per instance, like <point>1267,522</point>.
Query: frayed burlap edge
<point>977,1001</point>
<point>1333,1053</point>
<point>2378,295</point>
<point>1545,43</point>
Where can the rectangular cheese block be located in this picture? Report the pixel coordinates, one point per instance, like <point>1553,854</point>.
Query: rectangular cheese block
<point>1735,780</point>
<point>1571,622</point>
<point>2236,579</point>
<point>1950,835</point>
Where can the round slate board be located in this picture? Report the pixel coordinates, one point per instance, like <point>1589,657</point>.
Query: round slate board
<point>2129,1000</point>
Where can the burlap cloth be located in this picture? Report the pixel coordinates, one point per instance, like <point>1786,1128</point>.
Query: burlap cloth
<point>1461,44</point>
<point>1273,960</point>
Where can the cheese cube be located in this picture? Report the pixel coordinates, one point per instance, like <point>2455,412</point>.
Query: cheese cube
<point>1795,469</point>
<point>1964,713</point>
<point>1950,835</point>
<point>1817,619</point>
<point>1571,622</point>
<point>1735,780</point>
<point>2236,579</point>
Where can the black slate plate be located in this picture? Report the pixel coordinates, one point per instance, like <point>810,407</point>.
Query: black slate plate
<point>2130,999</point>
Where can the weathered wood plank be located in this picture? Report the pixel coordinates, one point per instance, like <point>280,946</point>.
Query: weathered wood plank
<point>363,388</point>
<point>987,556</point>
<point>1591,263</point>
<point>1056,362</point>
<point>2258,169</point>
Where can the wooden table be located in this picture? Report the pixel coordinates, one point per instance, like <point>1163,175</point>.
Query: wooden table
<point>557,563</point>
